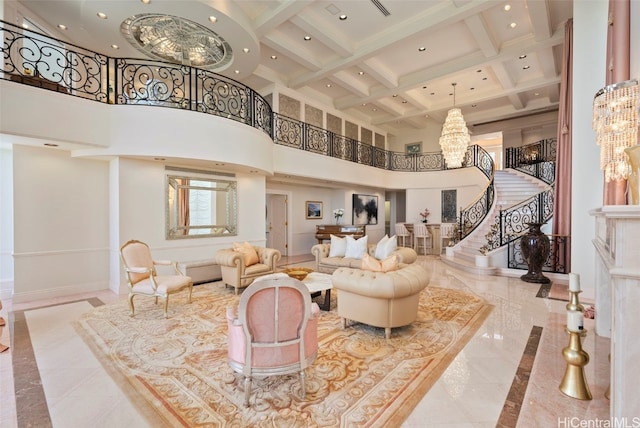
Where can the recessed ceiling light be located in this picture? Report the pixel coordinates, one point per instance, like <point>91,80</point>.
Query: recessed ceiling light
<point>526,67</point>
<point>472,88</point>
<point>394,95</point>
<point>361,73</point>
<point>513,25</point>
<point>274,57</point>
<point>484,78</point>
<point>328,85</point>
<point>237,71</point>
<point>246,50</point>
<point>536,93</point>
<point>364,104</point>
<point>50,144</point>
<point>422,49</point>
<point>307,38</point>
<point>432,93</point>
<point>62,26</point>
<point>404,101</point>
<point>474,105</point>
<point>343,17</point>
<point>213,19</point>
<point>479,71</point>
<point>145,1</point>
<point>115,46</point>
<point>522,56</point>
<point>374,109</point>
<point>507,7</point>
<point>102,15</point>
<point>424,87</point>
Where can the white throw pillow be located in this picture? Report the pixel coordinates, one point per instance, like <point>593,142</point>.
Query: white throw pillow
<point>356,247</point>
<point>338,246</point>
<point>388,248</point>
<point>381,248</point>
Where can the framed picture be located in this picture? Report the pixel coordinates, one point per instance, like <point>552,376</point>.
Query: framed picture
<point>449,206</point>
<point>413,148</point>
<point>365,209</point>
<point>313,209</point>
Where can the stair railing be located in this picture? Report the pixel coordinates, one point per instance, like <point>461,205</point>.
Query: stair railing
<point>473,214</point>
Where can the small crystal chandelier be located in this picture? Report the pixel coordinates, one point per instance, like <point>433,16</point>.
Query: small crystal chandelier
<point>455,136</point>
<point>615,120</point>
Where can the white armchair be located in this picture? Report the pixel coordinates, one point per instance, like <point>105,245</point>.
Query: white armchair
<point>238,272</point>
<point>142,277</point>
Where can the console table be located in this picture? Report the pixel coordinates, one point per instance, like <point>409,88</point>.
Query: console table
<point>617,289</point>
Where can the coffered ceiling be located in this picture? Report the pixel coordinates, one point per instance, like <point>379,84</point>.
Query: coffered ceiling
<point>388,62</point>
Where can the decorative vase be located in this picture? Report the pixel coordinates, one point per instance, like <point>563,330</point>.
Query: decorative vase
<point>338,220</point>
<point>634,175</point>
<point>535,251</point>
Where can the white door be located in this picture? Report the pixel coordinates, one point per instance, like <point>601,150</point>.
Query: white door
<point>277,223</point>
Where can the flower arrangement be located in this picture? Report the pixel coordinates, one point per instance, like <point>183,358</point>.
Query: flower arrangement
<point>425,215</point>
<point>337,213</point>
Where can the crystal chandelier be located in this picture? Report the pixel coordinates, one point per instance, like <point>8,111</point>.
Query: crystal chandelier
<point>615,120</point>
<point>455,136</point>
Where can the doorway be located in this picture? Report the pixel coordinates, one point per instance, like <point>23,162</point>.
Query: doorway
<point>277,224</point>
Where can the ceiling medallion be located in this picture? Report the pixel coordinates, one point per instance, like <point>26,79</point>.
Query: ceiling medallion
<point>177,40</point>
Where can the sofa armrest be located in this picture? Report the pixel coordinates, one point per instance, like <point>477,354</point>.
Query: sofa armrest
<point>320,251</point>
<point>228,257</point>
<point>268,256</point>
<point>405,255</point>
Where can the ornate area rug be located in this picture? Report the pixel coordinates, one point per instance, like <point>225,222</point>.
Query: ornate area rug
<point>176,369</point>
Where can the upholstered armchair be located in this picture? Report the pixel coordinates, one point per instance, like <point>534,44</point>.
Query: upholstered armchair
<point>275,331</point>
<point>143,279</point>
<point>239,266</point>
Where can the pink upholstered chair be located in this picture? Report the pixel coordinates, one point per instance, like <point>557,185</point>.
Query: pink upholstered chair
<point>275,331</point>
<point>143,279</point>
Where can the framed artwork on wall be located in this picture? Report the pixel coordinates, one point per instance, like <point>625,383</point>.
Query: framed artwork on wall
<point>449,206</point>
<point>313,209</point>
<point>365,209</point>
<point>413,148</point>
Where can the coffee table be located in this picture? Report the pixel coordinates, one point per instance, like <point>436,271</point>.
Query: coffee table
<point>318,282</point>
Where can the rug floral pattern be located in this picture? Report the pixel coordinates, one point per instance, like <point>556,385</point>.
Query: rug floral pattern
<point>176,369</point>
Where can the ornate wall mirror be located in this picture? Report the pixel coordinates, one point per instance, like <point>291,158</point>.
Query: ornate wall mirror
<point>200,207</point>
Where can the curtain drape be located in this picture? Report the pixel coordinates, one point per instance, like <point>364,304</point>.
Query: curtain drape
<point>562,198</point>
<point>618,52</point>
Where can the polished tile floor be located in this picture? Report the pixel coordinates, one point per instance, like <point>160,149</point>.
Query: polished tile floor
<point>506,376</point>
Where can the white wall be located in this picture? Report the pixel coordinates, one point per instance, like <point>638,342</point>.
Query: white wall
<point>61,231</point>
<point>6,221</point>
<point>589,36</point>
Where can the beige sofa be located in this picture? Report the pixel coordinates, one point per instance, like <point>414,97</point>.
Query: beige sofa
<point>327,264</point>
<point>380,299</point>
<point>236,274</point>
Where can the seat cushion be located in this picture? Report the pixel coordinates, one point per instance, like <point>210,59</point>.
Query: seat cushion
<point>166,284</point>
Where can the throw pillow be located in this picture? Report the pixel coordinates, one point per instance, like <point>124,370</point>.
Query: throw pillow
<point>356,248</point>
<point>385,247</point>
<point>338,246</point>
<point>380,248</point>
<point>387,265</point>
<point>250,254</point>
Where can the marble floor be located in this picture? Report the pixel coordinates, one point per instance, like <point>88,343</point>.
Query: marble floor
<point>506,376</point>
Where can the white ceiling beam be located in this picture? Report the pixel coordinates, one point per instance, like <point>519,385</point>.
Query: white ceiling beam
<point>474,60</point>
<point>540,18</point>
<point>505,80</point>
<point>547,62</point>
<point>270,20</point>
<point>350,83</point>
<point>436,17</point>
<point>324,35</point>
<point>294,52</point>
<point>478,27</point>
<point>374,68</point>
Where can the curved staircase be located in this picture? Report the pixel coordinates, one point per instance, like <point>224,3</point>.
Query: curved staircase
<point>511,188</point>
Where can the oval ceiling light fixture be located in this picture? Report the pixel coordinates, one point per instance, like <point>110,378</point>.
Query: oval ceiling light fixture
<point>422,49</point>
<point>213,19</point>
<point>145,1</point>
<point>177,40</point>
<point>513,25</point>
<point>115,46</point>
<point>307,38</point>
<point>507,7</point>
<point>343,17</point>
<point>102,15</point>
<point>62,26</point>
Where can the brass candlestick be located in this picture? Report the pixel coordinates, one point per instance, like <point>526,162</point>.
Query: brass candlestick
<point>574,304</point>
<point>574,383</point>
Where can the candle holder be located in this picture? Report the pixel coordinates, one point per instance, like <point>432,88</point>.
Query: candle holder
<point>574,382</point>
<point>574,303</point>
